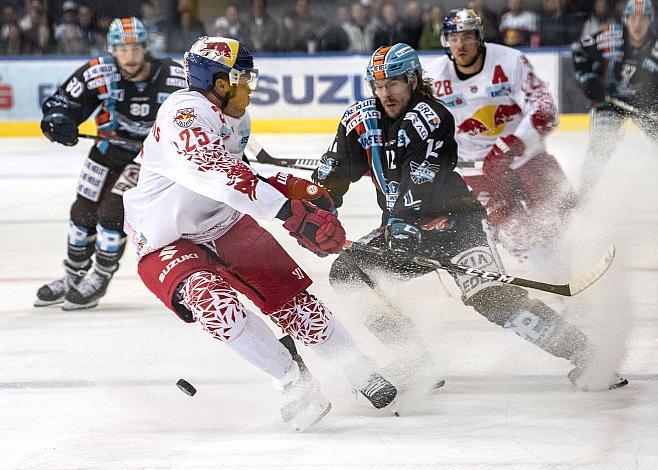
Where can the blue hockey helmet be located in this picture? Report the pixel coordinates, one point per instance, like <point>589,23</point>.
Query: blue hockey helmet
<point>211,55</point>
<point>639,7</point>
<point>126,31</point>
<point>392,61</point>
<point>463,19</point>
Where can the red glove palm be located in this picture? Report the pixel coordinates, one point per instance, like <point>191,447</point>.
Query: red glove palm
<point>298,188</point>
<point>315,229</point>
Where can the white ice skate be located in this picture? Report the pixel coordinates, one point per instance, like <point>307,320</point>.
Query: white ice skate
<point>304,404</point>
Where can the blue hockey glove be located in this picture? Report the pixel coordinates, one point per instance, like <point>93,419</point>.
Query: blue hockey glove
<point>60,128</point>
<point>401,235</point>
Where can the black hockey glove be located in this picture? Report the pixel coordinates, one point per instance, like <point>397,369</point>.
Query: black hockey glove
<point>593,89</point>
<point>401,236</point>
<point>60,128</point>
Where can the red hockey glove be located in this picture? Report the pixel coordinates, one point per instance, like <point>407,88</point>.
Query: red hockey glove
<point>298,188</point>
<point>498,160</point>
<point>315,229</point>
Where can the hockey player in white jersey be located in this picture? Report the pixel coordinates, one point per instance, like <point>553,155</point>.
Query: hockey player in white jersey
<point>503,113</point>
<point>191,219</point>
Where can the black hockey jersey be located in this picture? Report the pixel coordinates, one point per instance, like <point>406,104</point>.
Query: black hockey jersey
<point>411,159</point>
<point>126,109</point>
<point>627,73</point>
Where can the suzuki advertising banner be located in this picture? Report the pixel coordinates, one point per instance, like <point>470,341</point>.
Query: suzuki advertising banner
<point>296,94</point>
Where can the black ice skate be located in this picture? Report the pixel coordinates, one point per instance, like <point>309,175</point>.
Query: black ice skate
<point>54,292</point>
<point>304,404</point>
<point>379,391</point>
<point>90,289</point>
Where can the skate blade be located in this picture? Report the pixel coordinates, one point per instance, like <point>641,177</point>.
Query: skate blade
<point>311,416</point>
<point>46,303</point>
<point>437,385</point>
<point>69,306</point>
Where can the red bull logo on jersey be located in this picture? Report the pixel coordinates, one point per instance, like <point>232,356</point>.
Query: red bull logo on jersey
<point>489,120</point>
<point>184,117</point>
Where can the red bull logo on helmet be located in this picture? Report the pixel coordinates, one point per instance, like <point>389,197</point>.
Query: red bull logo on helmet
<point>489,120</point>
<point>218,49</point>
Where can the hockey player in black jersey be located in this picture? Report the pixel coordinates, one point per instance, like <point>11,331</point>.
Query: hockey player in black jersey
<point>617,68</point>
<point>404,139</point>
<point>126,87</point>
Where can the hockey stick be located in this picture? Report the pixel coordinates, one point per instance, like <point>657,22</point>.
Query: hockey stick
<point>630,108</point>
<point>113,140</point>
<point>256,152</point>
<point>572,288</point>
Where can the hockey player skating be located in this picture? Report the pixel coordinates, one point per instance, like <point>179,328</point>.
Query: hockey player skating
<point>191,218</point>
<point>618,65</point>
<point>503,113</point>
<point>405,138</point>
<point>129,86</point>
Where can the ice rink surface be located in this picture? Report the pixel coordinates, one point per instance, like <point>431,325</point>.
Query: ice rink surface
<point>96,389</point>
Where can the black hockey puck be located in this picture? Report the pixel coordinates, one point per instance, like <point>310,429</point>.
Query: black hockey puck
<point>186,387</point>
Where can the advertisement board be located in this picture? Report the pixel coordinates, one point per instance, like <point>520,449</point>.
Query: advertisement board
<point>295,94</point>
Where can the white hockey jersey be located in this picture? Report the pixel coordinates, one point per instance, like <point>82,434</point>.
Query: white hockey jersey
<point>500,100</point>
<point>192,182</point>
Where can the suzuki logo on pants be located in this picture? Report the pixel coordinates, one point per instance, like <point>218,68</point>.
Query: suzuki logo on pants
<point>168,252</point>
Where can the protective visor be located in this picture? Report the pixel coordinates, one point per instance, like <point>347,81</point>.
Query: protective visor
<point>244,77</point>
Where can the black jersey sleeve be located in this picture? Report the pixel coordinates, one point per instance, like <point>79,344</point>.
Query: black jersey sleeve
<point>77,97</point>
<point>587,59</point>
<point>345,162</point>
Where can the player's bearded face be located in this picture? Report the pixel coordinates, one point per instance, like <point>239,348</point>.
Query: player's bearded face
<point>464,46</point>
<point>638,27</point>
<point>130,58</point>
<point>237,105</point>
<point>394,94</point>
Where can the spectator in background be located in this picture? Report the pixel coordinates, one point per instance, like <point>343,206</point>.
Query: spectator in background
<point>291,36</point>
<point>69,18</point>
<point>71,42</point>
<point>9,19</point>
<point>236,28</point>
<point>186,29</point>
<point>412,24</point>
<point>359,30</point>
<point>518,27</point>
<point>333,36</point>
<point>430,38</point>
<point>29,24</point>
<point>553,28</point>
<point>490,20</point>
<point>601,16</point>
<point>308,23</point>
<point>155,25</point>
<point>220,28</point>
<point>262,34</point>
<point>45,37</point>
<point>13,42</point>
<point>389,27</point>
<point>89,31</point>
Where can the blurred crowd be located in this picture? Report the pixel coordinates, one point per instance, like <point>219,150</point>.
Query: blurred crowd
<point>307,27</point>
